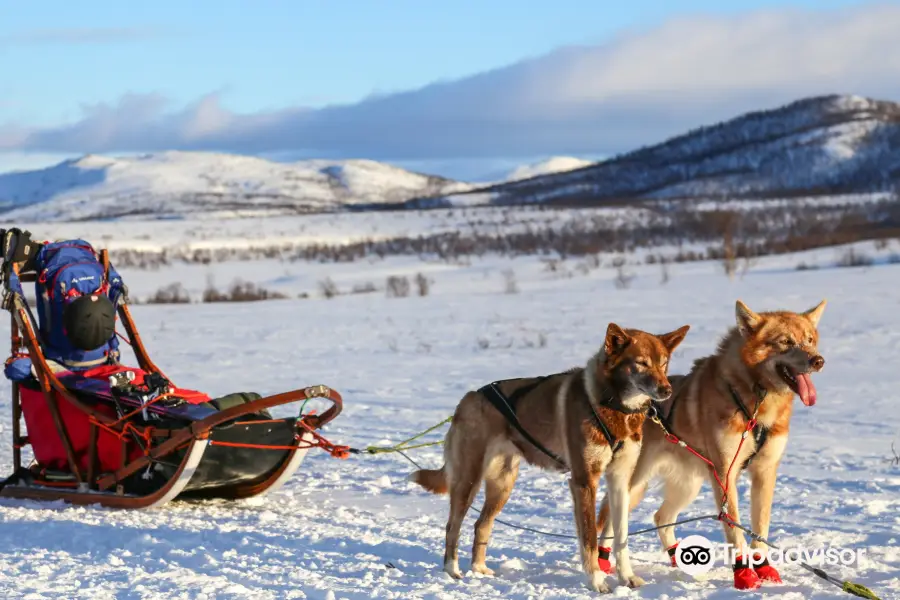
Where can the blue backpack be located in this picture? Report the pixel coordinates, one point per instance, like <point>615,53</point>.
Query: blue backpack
<point>68,270</point>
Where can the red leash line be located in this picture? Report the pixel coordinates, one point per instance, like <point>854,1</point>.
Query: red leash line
<point>671,437</point>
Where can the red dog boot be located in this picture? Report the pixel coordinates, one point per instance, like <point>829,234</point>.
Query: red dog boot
<point>745,578</point>
<point>767,572</point>
<point>603,560</point>
<point>671,550</point>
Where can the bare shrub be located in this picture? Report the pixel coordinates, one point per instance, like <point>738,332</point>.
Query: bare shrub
<point>397,286</point>
<point>423,284</point>
<point>853,258</point>
<point>539,341</point>
<point>728,221</point>
<point>552,265</point>
<point>364,288</point>
<point>747,264</point>
<point>173,293</point>
<point>241,291</point>
<point>882,244</point>
<point>805,267</point>
<point>759,230</point>
<point>664,272</point>
<point>328,288</point>
<point>895,459</point>
<point>623,280</point>
<point>509,280</point>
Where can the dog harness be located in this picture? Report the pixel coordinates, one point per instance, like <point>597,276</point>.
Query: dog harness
<point>760,433</point>
<point>507,407</point>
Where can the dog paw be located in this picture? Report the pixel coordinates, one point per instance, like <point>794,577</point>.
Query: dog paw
<point>597,582</point>
<point>746,579</point>
<point>453,571</point>
<point>483,570</point>
<point>768,573</point>
<point>632,581</point>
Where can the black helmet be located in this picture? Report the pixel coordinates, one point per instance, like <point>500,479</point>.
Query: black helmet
<point>90,321</point>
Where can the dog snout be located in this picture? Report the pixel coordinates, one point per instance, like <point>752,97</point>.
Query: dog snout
<point>816,362</point>
<point>664,390</point>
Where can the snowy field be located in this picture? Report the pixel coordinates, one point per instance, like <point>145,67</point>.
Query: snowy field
<point>402,364</point>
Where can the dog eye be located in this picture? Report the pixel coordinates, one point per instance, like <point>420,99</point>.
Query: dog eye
<point>642,362</point>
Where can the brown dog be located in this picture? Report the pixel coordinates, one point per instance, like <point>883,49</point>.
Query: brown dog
<point>759,366</point>
<point>577,417</point>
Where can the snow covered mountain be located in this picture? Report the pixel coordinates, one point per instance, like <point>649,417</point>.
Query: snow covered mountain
<point>816,146</point>
<point>555,164</point>
<point>176,184</point>
<point>827,145</point>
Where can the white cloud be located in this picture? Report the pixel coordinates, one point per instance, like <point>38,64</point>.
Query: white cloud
<point>634,90</point>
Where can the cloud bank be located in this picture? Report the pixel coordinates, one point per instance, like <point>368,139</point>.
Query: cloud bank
<point>635,90</point>
<point>81,35</point>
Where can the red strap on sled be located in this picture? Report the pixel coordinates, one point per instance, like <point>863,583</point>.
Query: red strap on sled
<point>319,441</point>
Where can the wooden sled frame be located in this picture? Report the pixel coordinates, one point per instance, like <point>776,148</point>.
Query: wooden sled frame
<point>91,487</point>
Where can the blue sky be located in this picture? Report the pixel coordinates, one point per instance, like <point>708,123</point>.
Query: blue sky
<point>96,76</point>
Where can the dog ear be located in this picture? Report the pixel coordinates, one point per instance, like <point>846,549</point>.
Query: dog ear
<point>616,339</point>
<point>673,339</point>
<point>747,320</point>
<point>814,314</point>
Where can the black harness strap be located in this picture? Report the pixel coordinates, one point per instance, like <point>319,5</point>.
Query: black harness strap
<point>657,408</point>
<point>614,444</point>
<point>760,433</point>
<point>506,406</point>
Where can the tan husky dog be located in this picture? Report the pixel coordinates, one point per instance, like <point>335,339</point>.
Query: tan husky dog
<point>757,369</point>
<point>587,419</point>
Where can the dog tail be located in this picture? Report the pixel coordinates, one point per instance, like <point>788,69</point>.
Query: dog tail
<point>433,480</point>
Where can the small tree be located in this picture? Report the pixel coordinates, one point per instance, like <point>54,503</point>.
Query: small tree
<point>509,278</point>
<point>328,288</point>
<point>423,284</point>
<point>397,286</point>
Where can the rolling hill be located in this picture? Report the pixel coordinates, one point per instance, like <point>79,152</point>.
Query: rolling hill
<point>824,145</point>
<point>179,184</point>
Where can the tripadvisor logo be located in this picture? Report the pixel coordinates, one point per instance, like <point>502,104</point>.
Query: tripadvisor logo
<point>696,555</point>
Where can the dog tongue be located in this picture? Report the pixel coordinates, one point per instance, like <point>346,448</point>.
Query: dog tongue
<point>806,389</point>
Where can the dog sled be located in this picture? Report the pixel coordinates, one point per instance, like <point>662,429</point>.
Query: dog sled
<point>102,432</point>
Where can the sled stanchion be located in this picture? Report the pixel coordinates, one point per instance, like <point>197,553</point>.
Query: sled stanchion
<point>137,344</point>
<point>92,455</point>
<point>50,399</point>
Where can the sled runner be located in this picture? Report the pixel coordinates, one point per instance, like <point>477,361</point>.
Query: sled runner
<point>105,433</point>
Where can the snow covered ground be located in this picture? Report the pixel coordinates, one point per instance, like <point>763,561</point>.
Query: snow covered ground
<point>402,364</point>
